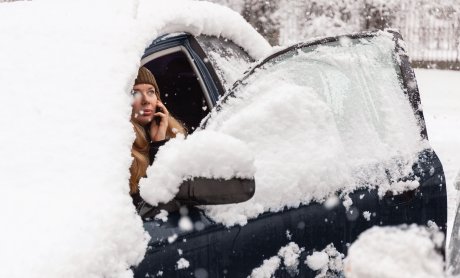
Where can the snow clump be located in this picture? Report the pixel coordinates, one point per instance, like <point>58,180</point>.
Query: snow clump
<point>288,254</point>
<point>327,263</point>
<point>182,263</point>
<point>367,215</point>
<point>267,269</point>
<point>162,215</point>
<point>405,251</point>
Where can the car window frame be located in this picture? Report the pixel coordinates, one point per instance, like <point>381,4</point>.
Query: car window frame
<point>180,48</point>
<point>197,57</point>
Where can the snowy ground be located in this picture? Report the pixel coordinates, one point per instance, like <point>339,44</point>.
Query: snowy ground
<point>440,94</point>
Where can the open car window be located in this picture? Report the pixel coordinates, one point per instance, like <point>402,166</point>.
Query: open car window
<point>228,59</point>
<point>181,89</point>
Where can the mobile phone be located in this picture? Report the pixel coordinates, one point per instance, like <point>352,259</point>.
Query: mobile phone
<point>158,118</point>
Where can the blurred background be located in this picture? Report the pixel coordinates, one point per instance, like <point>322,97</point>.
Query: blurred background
<point>431,28</point>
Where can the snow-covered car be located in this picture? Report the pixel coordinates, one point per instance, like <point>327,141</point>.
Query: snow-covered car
<point>331,131</point>
<point>353,73</point>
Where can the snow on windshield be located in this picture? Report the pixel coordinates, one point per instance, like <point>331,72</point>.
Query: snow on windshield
<point>66,71</point>
<point>325,119</point>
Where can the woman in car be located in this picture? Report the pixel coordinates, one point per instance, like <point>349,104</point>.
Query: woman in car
<point>153,126</point>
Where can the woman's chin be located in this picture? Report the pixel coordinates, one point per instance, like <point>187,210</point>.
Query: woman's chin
<point>143,120</point>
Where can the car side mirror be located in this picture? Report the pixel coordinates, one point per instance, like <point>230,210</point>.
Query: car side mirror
<point>205,191</point>
<point>206,168</point>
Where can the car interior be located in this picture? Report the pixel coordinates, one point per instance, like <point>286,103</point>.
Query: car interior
<point>180,88</point>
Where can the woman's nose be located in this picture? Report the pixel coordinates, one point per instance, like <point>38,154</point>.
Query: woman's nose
<point>144,100</point>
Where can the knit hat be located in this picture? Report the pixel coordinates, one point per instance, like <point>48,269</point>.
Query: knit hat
<point>144,76</point>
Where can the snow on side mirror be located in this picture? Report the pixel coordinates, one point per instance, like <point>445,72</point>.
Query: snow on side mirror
<point>205,168</point>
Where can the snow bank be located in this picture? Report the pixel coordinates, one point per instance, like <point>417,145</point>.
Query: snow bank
<point>66,70</point>
<point>325,120</point>
<point>405,251</point>
<point>65,144</point>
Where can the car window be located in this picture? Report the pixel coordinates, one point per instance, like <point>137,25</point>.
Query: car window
<point>228,59</point>
<point>181,90</point>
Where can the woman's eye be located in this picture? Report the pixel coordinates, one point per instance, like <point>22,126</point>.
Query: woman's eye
<point>136,94</point>
<point>151,92</point>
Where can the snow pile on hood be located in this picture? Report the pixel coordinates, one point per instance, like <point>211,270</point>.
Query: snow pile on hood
<point>329,119</point>
<point>405,251</point>
<point>66,71</point>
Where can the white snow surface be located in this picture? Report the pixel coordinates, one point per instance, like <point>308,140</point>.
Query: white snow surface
<point>66,71</point>
<point>384,252</point>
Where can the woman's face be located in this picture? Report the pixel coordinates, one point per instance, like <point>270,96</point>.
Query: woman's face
<point>144,103</point>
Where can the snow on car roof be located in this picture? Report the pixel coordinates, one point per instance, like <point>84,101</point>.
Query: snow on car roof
<point>65,73</point>
<point>188,17</point>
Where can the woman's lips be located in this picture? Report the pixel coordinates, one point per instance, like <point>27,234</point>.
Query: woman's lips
<point>146,112</point>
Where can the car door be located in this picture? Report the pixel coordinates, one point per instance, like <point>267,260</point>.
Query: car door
<point>211,249</point>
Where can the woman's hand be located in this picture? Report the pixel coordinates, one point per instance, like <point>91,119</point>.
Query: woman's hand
<point>159,123</point>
